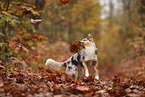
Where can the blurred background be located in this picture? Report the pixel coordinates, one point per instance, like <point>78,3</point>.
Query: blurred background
<point>117,26</point>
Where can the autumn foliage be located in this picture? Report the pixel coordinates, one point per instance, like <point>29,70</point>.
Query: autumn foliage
<point>24,48</point>
<point>42,81</point>
<point>75,47</point>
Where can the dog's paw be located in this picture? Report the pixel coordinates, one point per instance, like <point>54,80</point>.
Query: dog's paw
<point>96,77</point>
<point>86,73</point>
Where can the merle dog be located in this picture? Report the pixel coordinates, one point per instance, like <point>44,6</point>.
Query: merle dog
<point>83,63</point>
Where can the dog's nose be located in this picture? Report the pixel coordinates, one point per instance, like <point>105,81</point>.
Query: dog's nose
<point>81,43</point>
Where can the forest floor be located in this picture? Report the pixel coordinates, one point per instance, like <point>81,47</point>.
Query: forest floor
<point>40,81</point>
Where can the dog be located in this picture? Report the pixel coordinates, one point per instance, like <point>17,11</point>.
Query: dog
<point>83,63</point>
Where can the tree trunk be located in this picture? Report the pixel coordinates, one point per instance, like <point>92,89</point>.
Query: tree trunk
<point>39,7</point>
<point>142,12</point>
<point>111,13</point>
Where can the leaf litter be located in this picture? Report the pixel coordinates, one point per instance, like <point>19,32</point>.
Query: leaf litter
<point>42,82</point>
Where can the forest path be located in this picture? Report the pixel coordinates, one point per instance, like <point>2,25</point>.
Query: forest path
<point>40,81</point>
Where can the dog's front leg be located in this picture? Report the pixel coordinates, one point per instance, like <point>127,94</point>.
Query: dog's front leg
<point>86,69</point>
<point>96,71</point>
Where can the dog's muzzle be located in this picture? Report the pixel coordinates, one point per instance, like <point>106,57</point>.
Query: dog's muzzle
<point>81,43</point>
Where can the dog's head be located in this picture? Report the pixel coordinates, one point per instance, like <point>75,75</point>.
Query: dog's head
<point>87,42</point>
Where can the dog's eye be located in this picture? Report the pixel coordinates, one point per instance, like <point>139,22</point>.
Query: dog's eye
<point>85,39</point>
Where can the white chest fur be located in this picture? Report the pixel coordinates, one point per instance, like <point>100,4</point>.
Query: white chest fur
<point>89,53</point>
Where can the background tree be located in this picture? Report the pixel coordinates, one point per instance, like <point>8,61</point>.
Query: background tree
<point>74,19</point>
<point>17,32</point>
<point>39,8</point>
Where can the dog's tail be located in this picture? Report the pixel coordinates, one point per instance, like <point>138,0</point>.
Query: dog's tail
<point>54,65</point>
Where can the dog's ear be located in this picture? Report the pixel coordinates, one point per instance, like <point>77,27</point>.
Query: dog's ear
<point>90,37</point>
